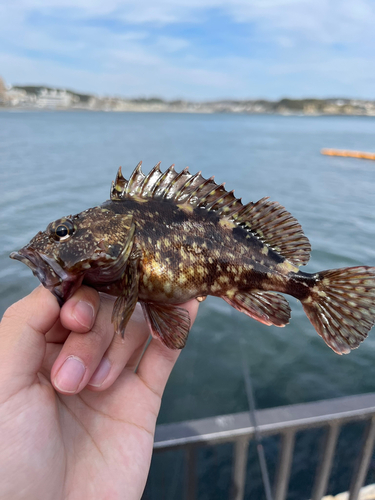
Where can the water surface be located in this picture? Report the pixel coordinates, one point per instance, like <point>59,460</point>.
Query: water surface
<point>54,164</point>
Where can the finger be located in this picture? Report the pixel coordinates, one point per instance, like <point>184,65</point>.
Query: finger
<point>120,351</point>
<point>57,334</point>
<point>81,354</point>
<point>52,351</point>
<point>79,312</point>
<point>158,361</point>
<point>135,358</point>
<point>22,339</point>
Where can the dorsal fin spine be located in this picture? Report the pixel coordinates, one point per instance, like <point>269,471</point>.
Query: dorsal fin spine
<point>185,185</point>
<point>212,193</point>
<point>164,179</point>
<point>175,181</point>
<point>158,182</point>
<point>226,207</point>
<point>198,188</point>
<point>219,202</point>
<point>149,180</point>
<point>120,181</point>
<point>136,175</point>
<point>112,192</point>
<point>200,192</point>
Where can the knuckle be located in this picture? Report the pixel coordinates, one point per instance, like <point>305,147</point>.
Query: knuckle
<point>102,330</point>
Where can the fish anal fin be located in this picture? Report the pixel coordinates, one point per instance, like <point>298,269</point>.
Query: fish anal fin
<point>170,324</point>
<point>126,302</point>
<point>268,308</point>
<point>276,227</point>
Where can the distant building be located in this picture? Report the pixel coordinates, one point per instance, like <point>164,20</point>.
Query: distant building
<point>2,91</point>
<point>19,97</point>
<point>54,99</point>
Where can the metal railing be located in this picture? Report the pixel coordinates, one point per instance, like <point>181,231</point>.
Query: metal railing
<point>285,421</point>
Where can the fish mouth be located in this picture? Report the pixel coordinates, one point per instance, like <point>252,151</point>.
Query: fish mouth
<point>59,282</point>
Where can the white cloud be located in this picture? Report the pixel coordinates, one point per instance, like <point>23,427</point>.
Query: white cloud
<point>171,44</point>
<point>303,37</point>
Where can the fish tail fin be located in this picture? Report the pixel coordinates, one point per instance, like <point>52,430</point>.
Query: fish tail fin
<point>341,306</point>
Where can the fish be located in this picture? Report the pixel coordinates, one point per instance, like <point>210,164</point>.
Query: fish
<point>167,237</point>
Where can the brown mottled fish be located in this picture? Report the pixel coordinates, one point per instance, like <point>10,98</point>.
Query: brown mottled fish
<point>166,237</point>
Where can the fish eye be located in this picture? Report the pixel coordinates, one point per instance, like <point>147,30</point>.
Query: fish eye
<point>63,230</point>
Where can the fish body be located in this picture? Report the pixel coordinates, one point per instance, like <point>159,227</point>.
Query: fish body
<point>167,237</point>
<point>194,254</point>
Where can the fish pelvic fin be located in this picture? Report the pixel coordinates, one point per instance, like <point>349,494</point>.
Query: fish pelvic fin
<point>170,324</point>
<point>341,306</point>
<point>268,308</point>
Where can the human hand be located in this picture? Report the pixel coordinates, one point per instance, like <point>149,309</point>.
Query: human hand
<point>76,438</point>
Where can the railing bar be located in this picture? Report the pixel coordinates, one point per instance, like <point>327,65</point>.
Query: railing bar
<point>284,465</point>
<point>361,468</point>
<point>191,477</point>
<point>226,428</point>
<point>239,469</point>
<point>324,469</point>
<point>173,481</point>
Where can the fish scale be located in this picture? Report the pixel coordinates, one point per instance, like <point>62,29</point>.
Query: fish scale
<point>167,237</point>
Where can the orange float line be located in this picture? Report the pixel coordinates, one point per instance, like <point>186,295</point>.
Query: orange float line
<point>350,154</point>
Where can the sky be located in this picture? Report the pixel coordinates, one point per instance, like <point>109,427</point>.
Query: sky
<point>192,49</point>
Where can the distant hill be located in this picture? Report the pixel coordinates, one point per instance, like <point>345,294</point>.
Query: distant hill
<point>42,96</point>
<point>38,89</point>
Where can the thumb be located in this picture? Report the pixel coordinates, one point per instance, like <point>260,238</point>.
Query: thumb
<point>22,340</point>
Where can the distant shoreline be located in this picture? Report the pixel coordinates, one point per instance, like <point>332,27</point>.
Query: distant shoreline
<point>20,109</point>
<point>39,98</point>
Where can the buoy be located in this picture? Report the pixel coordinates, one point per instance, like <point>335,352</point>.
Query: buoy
<point>351,154</point>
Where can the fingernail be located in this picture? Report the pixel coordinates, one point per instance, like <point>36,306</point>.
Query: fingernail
<point>101,373</point>
<point>83,312</point>
<point>70,375</point>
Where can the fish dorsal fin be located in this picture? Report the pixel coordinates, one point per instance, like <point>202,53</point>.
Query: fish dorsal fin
<point>276,227</point>
<point>179,187</point>
<point>267,220</point>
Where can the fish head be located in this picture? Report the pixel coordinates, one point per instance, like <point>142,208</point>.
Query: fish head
<point>92,246</point>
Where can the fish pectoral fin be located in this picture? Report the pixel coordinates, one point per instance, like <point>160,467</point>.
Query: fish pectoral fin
<point>267,307</point>
<point>168,323</point>
<point>126,302</point>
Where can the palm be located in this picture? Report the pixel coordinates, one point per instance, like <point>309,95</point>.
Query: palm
<point>101,442</point>
<point>109,436</point>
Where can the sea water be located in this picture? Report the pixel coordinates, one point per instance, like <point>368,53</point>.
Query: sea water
<point>59,163</point>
